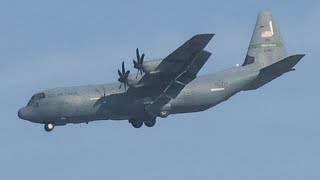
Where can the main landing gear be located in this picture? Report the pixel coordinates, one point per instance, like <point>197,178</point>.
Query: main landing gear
<point>48,127</point>
<point>138,123</point>
<point>150,123</point>
<point>148,120</point>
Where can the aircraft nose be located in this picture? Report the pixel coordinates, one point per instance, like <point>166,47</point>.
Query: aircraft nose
<point>23,113</point>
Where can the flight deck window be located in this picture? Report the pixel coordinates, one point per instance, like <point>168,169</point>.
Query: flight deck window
<point>36,97</point>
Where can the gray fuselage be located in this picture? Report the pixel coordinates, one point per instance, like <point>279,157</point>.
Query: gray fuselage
<point>79,104</point>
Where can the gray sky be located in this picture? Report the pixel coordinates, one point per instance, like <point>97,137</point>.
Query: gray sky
<point>270,133</point>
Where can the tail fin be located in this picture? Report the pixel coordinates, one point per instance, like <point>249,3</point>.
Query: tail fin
<point>266,46</point>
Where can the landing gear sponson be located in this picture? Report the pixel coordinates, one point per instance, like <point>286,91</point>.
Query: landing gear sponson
<point>136,123</point>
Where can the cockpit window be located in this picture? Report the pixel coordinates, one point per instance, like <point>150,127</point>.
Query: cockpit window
<point>36,97</point>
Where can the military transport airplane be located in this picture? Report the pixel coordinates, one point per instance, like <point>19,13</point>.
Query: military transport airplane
<point>166,86</point>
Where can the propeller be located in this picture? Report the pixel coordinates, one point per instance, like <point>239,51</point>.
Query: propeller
<point>138,64</point>
<point>123,77</point>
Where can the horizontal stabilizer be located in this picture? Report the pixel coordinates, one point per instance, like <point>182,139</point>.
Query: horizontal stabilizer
<point>275,70</point>
<point>282,66</point>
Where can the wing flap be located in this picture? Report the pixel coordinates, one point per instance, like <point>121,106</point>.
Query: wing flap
<point>174,89</point>
<point>158,104</point>
<point>194,67</point>
<point>176,86</point>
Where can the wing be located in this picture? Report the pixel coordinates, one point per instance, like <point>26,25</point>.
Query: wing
<point>173,73</point>
<point>178,83</point>
<point>183,56</point>
<point>174,64</point>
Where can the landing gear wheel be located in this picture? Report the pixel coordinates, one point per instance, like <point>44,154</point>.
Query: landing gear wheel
<point>137,124</point>
<point>48,127</point>
<point>150,123</point>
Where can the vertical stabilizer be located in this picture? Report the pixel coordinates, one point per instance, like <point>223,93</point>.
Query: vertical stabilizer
<point>266,46</point>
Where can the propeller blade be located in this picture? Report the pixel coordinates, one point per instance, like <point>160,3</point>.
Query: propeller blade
<point>141,59</point>
<point>127,73</point>
<point>123,69</point>
<point>135,63</point>
<point>138,55</point>
<point>119,73</point>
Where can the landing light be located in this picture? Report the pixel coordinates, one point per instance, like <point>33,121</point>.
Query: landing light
<point>50,126</point>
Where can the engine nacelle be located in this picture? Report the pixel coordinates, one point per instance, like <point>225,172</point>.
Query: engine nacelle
<point>151,65</point>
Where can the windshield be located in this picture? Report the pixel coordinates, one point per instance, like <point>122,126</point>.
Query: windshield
<point>36,97</point>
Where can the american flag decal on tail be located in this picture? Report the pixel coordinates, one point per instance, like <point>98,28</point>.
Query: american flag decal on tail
<point>268,34</point>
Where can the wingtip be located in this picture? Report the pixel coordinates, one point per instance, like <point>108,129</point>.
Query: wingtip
<point>208,35</point>
<point>207,52</point>
<point>296,57</point>
<point>300,55</point>
<point>204,37</point>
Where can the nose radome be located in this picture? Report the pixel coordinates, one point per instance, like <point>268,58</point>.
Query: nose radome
<point>22,114</point>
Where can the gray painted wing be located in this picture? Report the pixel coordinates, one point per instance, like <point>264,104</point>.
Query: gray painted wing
<point>179,82</point>
<point>184,54</point>
<point>174,64</point>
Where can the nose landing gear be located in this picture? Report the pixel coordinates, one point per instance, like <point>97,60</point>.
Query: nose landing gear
<point>48,127</point>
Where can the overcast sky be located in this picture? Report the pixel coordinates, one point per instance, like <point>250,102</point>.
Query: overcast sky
<point>270,133</point>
